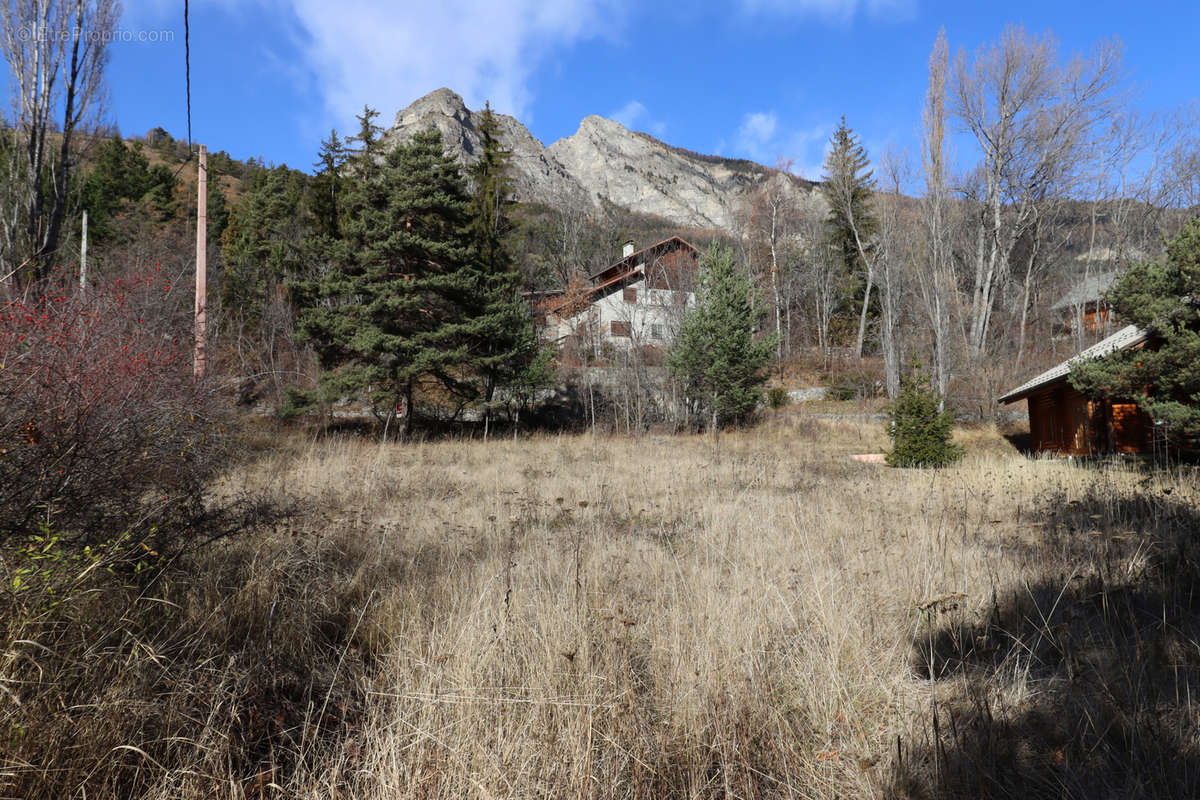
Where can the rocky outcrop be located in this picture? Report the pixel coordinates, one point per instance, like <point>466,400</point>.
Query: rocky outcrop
<point>536,177</point>
<point>603,161</point>
<point>645,175</point>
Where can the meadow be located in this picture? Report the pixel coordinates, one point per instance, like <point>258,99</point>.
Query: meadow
<point>661,616</point>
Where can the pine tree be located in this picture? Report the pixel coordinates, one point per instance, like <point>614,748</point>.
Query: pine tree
<point>392,308</point>
<point>505,351</point>
<point>326,186</point>
<point>121,176</point>
<point>851,226</point>
<point>260,248</point>
<point>920,433</point>
<point>716,356</point>
<point>1162,297</point>
<point>847,186</point>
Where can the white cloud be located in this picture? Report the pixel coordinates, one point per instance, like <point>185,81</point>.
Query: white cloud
<point>762,138</point>
<point>755,136</point>
<point>629,114</point>
<point>358,52</point>
<point>839,12</point>
<point>635,116</point>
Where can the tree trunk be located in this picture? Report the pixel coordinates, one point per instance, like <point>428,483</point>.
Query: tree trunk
<point>778,315</point>
<point>406,428</point>
<point>862,317</point>
<point>1025,298</point>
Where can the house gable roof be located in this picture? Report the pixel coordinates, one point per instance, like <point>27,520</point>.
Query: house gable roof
<point>594,293</point>
<point>638,257</point>
<point>1127,337</point>
<point>1088,290</point>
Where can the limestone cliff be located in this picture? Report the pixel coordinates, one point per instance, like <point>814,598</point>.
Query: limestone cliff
<point>603,161</point>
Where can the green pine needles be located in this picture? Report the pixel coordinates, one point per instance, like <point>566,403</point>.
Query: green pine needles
<point>1163,298</point>
<point>919,431</point>
<point>716,356</point>
<point>418,288</point>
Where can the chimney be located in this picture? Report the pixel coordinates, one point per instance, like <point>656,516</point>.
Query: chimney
<point>628,251</point>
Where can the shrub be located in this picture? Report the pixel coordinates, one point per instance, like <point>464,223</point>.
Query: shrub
<point>777,397</point>
<point>920,433</point>
<point>854,384</point>
<point>104,433</point>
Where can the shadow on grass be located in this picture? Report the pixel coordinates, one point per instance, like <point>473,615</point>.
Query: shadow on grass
<point>1080,682</point>
<point>565,411</point>
<point>232,669</point>
<point>1022,441</point>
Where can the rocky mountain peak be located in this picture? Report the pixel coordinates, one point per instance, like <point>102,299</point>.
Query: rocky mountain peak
<point>602,161</point>
<point>596,123</point>
<point>441,109</point>
<point>440,101</point>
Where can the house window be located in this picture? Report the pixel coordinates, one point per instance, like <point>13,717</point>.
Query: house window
<point>656,331</point>
<point>617,328</point>
<point>630,295</point>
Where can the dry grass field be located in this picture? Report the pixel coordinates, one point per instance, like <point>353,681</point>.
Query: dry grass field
<point>668,617</point>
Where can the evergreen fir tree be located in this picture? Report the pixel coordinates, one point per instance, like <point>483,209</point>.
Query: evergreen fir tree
<point>326,186</point>
<point>847,186</point>
<point>1162,297</point>
<point>260,248</point>
<point>391,309</point>
<point>920,433</point>
<point>716,356</point>
<point>505,349</point>
<point>847,177</point>
<point>121,176</point>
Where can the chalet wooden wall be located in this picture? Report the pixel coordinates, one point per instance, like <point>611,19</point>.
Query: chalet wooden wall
<point>1063,421</point>
<point>674,270</point>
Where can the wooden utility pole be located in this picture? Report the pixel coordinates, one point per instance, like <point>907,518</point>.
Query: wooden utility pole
<point>201,258</point>
<point>83,256</point>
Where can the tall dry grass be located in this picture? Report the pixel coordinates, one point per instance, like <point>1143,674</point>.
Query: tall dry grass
<point>667,617</point>
<point>671,617</point>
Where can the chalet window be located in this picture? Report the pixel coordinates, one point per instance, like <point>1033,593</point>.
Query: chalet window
<point>630,295</point>
<point>617,328</point>
<point>656,331</point>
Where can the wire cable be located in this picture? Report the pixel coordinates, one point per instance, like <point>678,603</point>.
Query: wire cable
<point>187,67</point>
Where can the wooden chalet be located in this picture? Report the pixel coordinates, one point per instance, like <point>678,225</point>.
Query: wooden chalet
<point>1066,422</point>
<point>1085,304</point>
<point>670,264</point>
<point>632,298</point>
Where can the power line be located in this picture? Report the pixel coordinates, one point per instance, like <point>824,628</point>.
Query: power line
<point>187,66</point>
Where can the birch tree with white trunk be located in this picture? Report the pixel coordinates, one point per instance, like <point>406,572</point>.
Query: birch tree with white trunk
<point>56,52</point>
<point>1035,121</point>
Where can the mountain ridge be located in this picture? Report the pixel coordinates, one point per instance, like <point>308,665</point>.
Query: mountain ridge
<point>602,162</point>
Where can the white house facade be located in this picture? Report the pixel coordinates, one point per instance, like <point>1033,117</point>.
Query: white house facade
<point>637,302</point>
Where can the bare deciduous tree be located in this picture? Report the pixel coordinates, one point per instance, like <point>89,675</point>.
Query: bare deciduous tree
<point>1035,122</point>
<point>935,274</point>
<point>769,223</point>
<point>56,52</point>
<point>892,254</point>
<point>823,274</point>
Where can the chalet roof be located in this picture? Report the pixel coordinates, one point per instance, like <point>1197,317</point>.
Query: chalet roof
<point>1087,290</point>
<point>599,290</point>
<point>1123,339</point>
<point>634,258</point>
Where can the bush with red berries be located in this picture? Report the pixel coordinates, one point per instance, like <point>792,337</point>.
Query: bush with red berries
<point>105,434</point>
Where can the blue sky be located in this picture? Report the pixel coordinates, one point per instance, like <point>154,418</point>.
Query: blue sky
<point>761,79</point>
